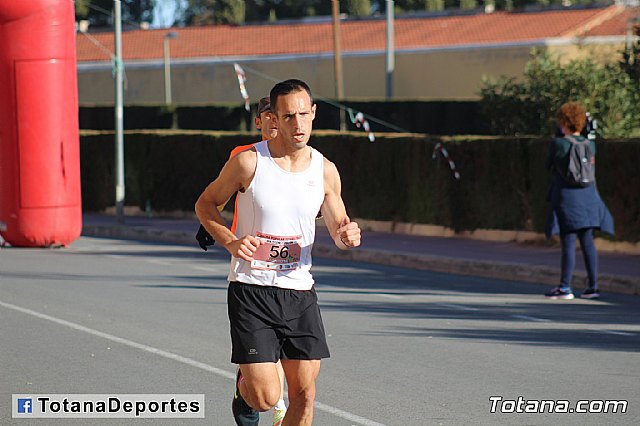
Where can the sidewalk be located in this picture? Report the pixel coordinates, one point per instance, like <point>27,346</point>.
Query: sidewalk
<point>619,273</point>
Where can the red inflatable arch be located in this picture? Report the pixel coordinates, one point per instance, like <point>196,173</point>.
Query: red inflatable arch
<point>40,202</point>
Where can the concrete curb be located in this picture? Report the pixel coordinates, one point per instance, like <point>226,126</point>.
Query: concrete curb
<point>536,274</point>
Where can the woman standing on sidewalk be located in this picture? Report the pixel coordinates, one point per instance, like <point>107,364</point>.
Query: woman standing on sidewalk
<point>576,209</point>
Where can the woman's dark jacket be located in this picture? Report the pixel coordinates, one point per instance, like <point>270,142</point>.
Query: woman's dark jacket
<point>572,208</point>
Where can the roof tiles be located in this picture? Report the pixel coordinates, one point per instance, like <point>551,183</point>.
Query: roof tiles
<point>357,35</point>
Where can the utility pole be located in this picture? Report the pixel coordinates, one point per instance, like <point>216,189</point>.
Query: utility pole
<point>390,56</point>
<point>337,60</point>
<point>168,100</point>
<point>119,114</point>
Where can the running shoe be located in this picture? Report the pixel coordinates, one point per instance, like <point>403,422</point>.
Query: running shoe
<point>243,414</point>
<point>559,293</point>
<point>590,293</point>
<point>278,416</point>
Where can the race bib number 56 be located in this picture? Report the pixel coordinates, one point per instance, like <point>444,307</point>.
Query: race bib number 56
<point>277,253</point>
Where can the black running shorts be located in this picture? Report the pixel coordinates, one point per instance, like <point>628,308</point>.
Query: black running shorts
<point>271,323</point>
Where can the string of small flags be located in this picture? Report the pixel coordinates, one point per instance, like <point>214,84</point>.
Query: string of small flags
<point>445,154</point>
<point>357,119</point>
<point>242,79</point>
<point>360,122</point>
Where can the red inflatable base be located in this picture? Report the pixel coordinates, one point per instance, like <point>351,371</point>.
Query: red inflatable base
<point>40,201</point>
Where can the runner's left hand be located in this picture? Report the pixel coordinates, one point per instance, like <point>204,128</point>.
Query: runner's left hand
<point>349,233</point>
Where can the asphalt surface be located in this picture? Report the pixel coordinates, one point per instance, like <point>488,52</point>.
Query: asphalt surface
<point>408,347</point>
<point>618,273</point>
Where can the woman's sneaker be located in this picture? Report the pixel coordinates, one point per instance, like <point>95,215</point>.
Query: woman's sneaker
<point>590,293</point>
<point>559,293</point>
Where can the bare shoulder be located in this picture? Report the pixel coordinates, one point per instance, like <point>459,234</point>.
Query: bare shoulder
<point>243,163</point>
<point>246,157</point>
<point>330,169</point>
<point>239,169</point>
<point>331,176</point>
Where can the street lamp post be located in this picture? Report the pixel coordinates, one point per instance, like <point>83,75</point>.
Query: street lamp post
<point>119,112</point>
<point>390,54</point>
<point>337,60</point>
<point>167,66</point>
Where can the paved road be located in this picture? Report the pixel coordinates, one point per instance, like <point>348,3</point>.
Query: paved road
<point>408,347</point>
<point>618,273</point>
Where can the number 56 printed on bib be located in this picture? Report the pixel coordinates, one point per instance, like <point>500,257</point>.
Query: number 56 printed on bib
<point>277,253</point>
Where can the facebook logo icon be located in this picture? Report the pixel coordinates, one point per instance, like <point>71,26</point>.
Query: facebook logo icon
<point>24,405</point>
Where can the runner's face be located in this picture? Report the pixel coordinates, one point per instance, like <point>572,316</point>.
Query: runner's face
<point>267,125</point>
<point>294,117</point>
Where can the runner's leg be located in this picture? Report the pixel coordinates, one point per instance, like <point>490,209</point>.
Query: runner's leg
<point>280,408</point>
<point>301,381</point>
<point>261,385</point>
<point>281,376</point>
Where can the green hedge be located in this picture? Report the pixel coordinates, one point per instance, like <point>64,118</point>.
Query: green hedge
<point>503,184</point>
<point>214,118</point>
<point>135,117</point>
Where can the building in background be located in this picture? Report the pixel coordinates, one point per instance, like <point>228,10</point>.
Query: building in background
<point>441,57</point>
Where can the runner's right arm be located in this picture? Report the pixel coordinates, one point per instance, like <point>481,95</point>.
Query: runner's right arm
<point>236,174</point>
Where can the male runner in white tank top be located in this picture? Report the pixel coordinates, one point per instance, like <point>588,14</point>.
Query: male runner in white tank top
<point>272,303</point>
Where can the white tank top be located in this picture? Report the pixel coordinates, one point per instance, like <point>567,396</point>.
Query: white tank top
<point>280,208</point>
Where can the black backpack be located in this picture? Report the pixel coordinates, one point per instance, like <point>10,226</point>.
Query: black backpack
<point>581,169</point>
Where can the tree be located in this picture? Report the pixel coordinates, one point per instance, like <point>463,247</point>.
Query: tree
<point>167,13</point>
<point>468,4</point>
<point>210,12</point>
<point>630,62</point>
<point>406,5</point>
<point>435,5</point>
<point>271,10</point>
<point>229,12</point>
<point>359,7</point>
<point>99,12</point>
<point>82,8</point>
<point>528,107</point>
<point>200,12</point>
<point>137,10</point>
<point>296,8</point>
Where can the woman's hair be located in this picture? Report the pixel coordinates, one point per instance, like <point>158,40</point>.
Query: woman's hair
<point>573,116</point>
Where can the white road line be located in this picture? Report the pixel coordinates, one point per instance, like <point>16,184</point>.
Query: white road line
<point>528,318</point>
<point>188,361</point>
<point>122,341</point>
<point>211,268</point>
<point>460,307</point>
<point>389,296</point>
<point>117,256</point>
<point>346,415</point>
<point>156,261</point>
<point>617,333</point>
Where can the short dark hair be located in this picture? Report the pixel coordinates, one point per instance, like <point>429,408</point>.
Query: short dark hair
<point>264,105</point>
<point>286,87</point>
<point>572,115</point>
